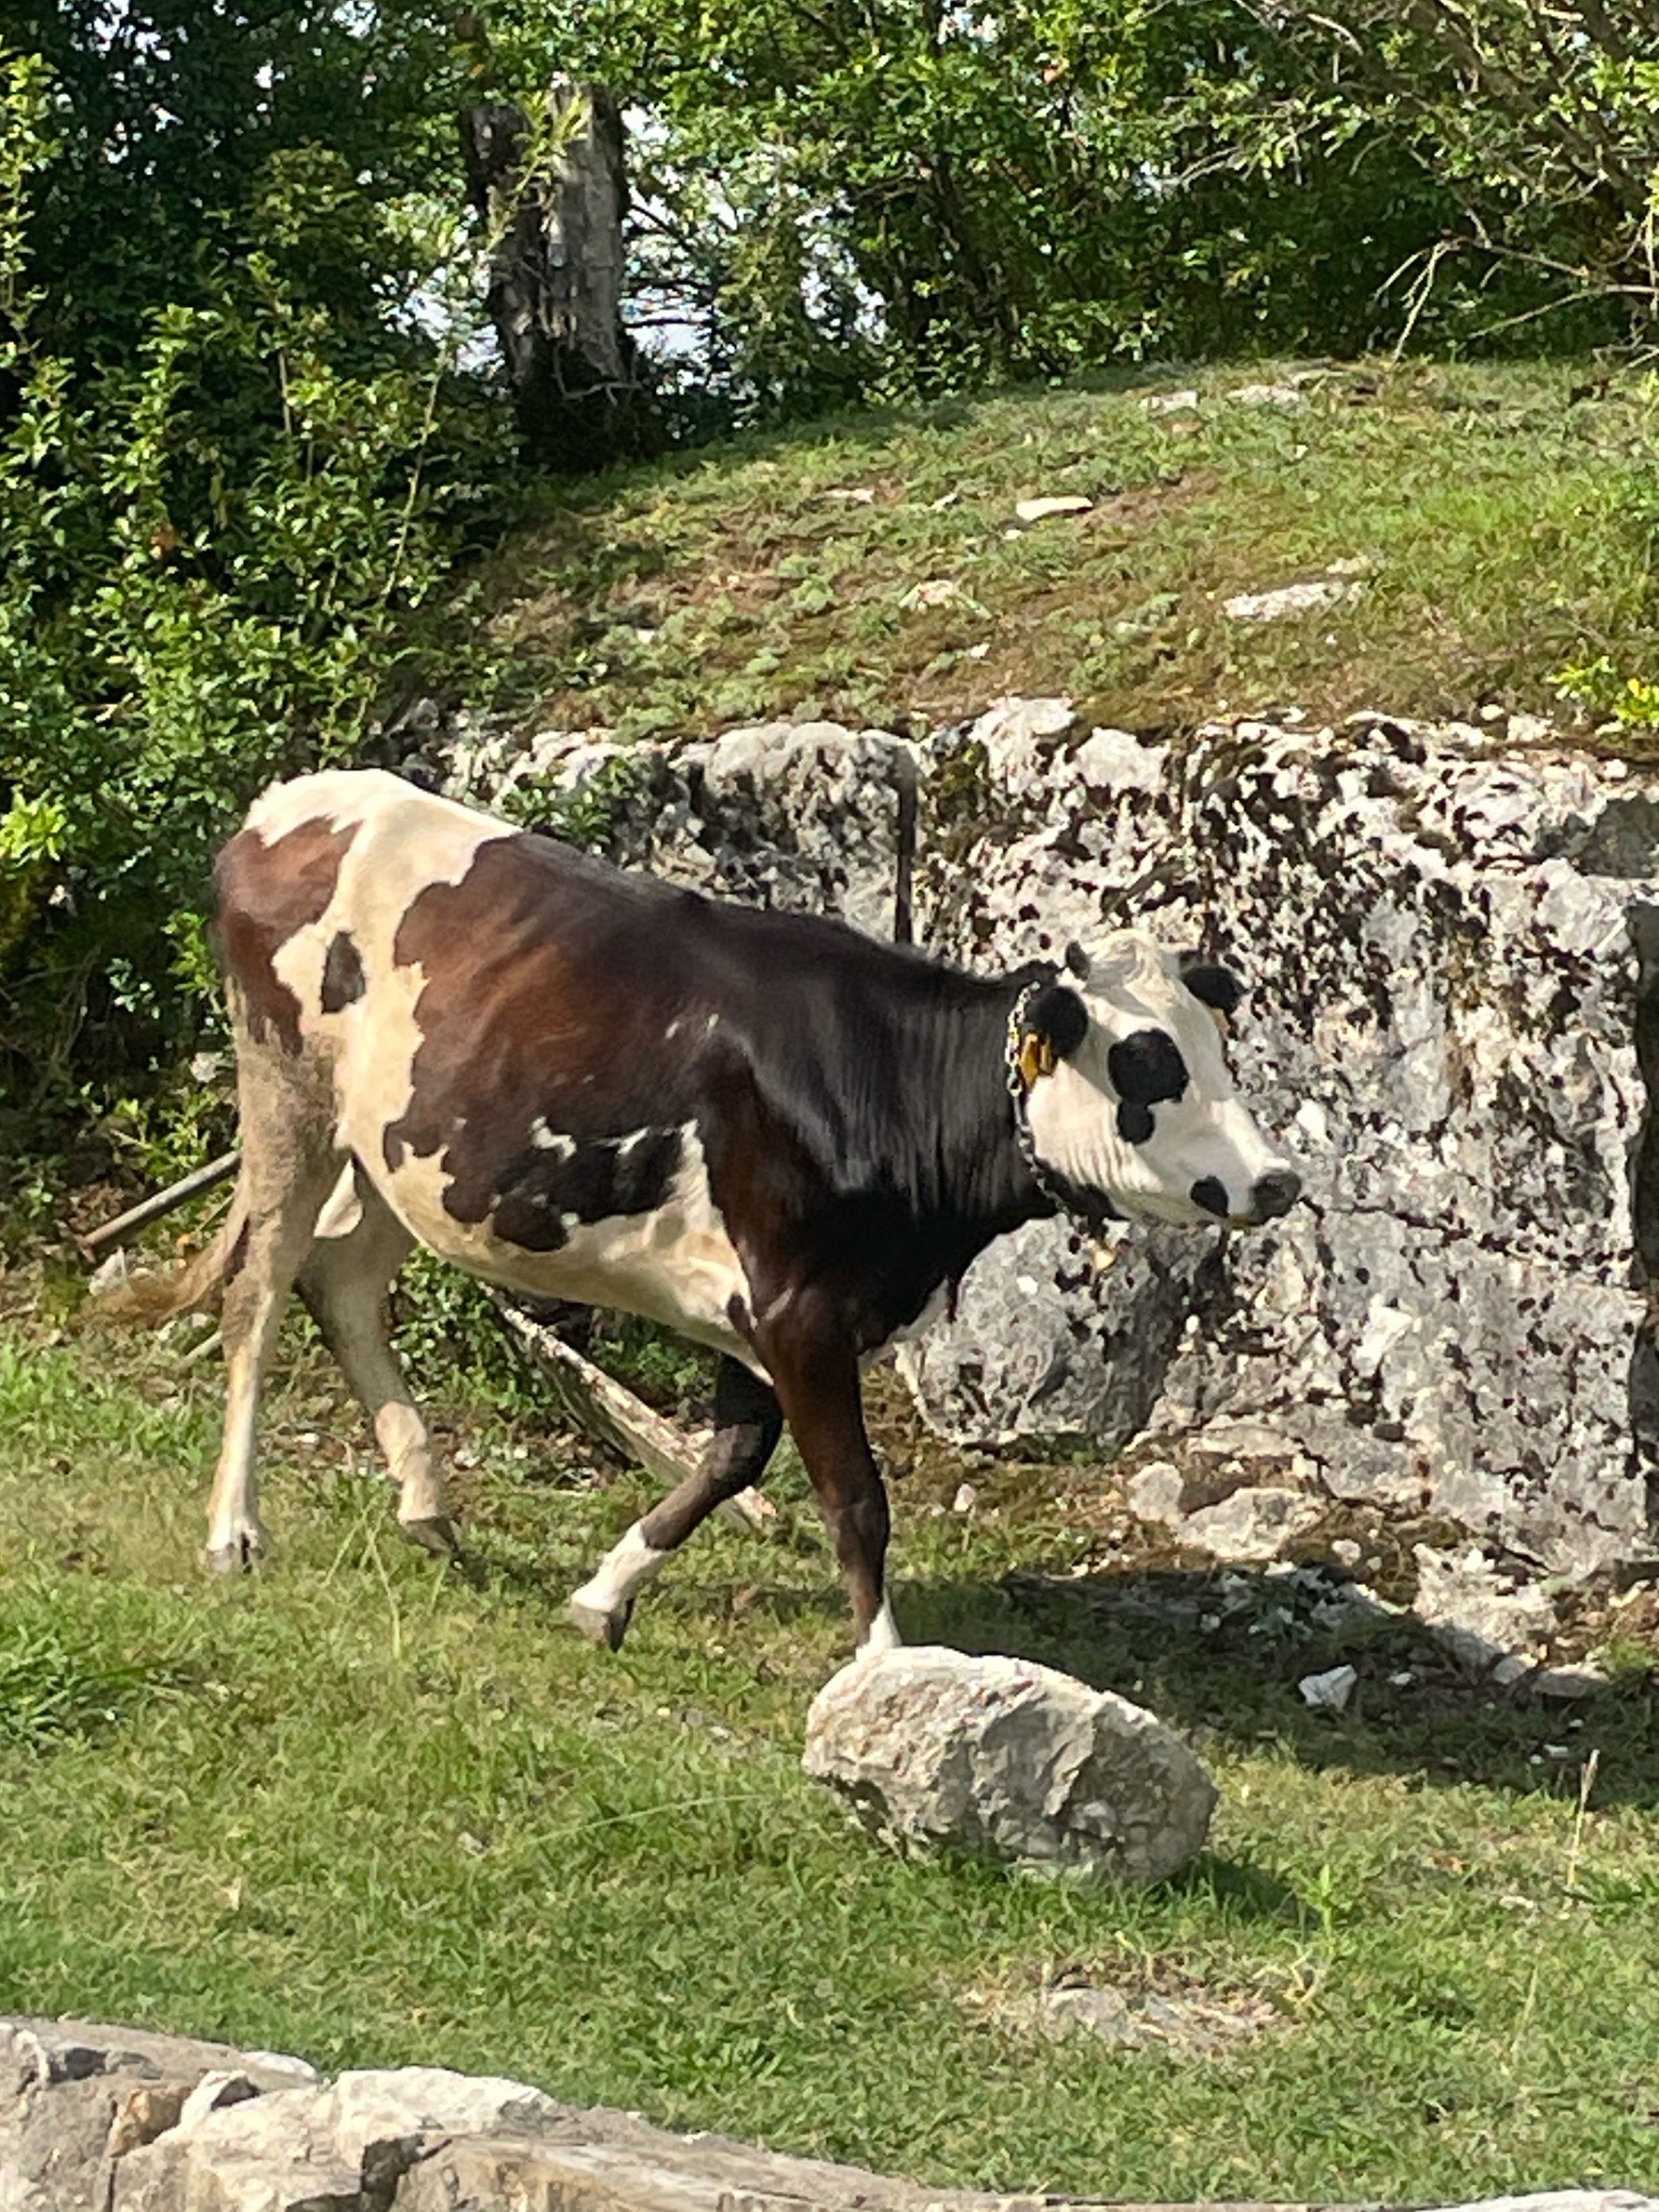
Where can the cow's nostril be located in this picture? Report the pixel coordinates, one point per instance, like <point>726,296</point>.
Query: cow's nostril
<point>1276,1193</point>
<point>1211,1193</point>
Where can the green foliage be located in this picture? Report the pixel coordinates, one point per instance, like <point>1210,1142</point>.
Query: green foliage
<point>851,196</point>
<point>225,550</point>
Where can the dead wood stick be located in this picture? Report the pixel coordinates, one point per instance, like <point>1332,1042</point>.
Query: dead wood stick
<point>124,1227</point>
<point>611,1412</point>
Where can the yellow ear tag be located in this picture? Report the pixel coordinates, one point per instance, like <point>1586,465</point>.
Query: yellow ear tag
<point>1222,1022</point>
<point>1036,1058</point>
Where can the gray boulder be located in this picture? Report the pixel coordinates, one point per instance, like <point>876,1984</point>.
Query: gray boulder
<point>934,1747</point>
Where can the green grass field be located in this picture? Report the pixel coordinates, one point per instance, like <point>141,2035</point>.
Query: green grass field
<point>369,1810</point>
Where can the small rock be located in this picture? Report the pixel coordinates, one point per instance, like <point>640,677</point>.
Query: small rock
<point>1266,395</point>
<point>932,1747</point>
<point>1061,503</point>
<point>1347,1551</point>
<point>109,1274</point>
<point>1330,1692</point>
<point>1479,1615</point>
<point>1169,403</point>
<point>1290,599</point>
<point>938,590</point>
<point>1153,1493</point>
<point>963,1500</point>
<point>1185,2026</point>
<point>1582,1681</point>
<point>853,495</point>
<point>1251,1525</point>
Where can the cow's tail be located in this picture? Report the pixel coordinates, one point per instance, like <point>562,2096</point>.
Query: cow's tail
<point>195,1286</point>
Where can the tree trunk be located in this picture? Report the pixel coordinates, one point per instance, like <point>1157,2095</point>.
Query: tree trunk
<point>556,269</point>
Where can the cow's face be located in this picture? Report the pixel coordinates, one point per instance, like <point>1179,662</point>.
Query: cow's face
<point>1137,1105</point>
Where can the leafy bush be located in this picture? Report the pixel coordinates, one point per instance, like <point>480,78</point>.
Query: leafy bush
<point>224,560</point>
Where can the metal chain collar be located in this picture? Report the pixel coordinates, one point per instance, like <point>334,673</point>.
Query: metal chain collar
<point>1088,1222</point>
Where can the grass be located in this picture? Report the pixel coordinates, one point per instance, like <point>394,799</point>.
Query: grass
<point>1505,528</point>
<point>370,1811</point>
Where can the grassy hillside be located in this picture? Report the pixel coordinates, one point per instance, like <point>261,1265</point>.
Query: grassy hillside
<point>1500,522</point>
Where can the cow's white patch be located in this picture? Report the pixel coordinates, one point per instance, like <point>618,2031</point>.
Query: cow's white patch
<point>551,1140</point>
<point>407,842</point>
<point>675,1265</point>
<point>343,1209</point>
<point>1206,1135</point>
<point>882,1634</point>
<point>626,1568</point>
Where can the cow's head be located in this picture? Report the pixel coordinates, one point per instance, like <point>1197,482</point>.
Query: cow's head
<point>1130,1096</point>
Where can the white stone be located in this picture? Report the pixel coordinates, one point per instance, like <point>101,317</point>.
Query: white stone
<point>1329,1692</point>
<point>1153,1493</point>
<point>934,1747</point>
<point>1251,1525</point>
<point>1266,395</point>
<point>1061,503</point>
<point>1479,1614</point>
<point>1290,599</point>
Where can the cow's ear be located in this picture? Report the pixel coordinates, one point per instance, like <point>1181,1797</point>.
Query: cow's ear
<point>1213,986</point>
<point>1059,1017</point>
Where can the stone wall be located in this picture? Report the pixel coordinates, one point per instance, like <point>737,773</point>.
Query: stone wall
<point>101,2119</point>
<point>1450,937</point>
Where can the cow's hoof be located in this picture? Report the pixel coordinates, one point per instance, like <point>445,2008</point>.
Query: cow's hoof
<point>243,1555</point>
<point>436,1533</point>
<point>597,1624</point>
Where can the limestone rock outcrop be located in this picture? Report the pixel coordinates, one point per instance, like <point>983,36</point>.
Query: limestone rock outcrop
<point>932,1747</point>
<point>1452,948</point>
<point>101,2119</point>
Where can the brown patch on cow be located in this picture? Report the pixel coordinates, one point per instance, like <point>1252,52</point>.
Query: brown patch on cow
<point>267,893</point>
<point>539,1007</point>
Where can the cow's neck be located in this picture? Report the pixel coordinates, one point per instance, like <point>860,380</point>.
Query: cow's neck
<point>983,1188</point>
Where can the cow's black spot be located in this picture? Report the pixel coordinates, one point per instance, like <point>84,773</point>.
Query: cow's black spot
<point>343,974</point>
<point>1135,1122</point>
<point>544,1188</point>
<point>1060,1015</point>
<point>1147,1067</point>
<point>1213,987</point>
<point>1211,1194</point>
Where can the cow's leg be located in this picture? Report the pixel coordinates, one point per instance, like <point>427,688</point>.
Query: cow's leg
<point>287,1163</point>
<point>818,1383</point>
<point>360,1246</point>
<point>748,1422</point>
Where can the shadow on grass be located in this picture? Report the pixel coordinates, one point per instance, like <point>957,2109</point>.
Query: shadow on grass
<point>1219,1657</point>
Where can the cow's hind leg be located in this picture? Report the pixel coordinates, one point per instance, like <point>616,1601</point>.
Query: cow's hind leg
<point>287,1162</point>
<point>359,1249</point>
<point>748,1422</point>
<point>820,1389</point>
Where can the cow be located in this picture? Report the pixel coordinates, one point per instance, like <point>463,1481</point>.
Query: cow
<point>768,1132</point>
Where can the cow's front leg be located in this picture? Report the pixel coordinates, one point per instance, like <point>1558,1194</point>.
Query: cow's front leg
<point>817,1376</point>
<point>748,1422</point>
